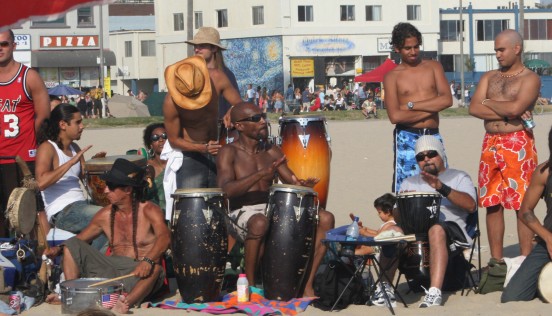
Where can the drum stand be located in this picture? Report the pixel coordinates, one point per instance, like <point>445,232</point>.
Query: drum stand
<point>380,271</point>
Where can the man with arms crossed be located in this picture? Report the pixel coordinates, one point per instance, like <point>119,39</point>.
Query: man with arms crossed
<point>246,170</point>
<point>503,98</point>
<point>137,234</point>
<point>24,105</point>
<point>191,109</point>
<point>416,91</point>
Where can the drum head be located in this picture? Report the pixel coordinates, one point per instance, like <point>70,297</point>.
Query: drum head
<point>105,163</point>
<point>21,210</point>
<point>418,194</point>
<point>302,118</point>
<point>545,282</point>
<point>292,189</point>
<point>199,192</point>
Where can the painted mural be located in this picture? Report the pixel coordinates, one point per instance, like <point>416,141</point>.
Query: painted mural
<point>256,60</point>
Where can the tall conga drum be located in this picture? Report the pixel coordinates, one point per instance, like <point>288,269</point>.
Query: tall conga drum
<point>96,167</point>
<point>292,212</point>
<point>306,144</point>
<point>199,243</point>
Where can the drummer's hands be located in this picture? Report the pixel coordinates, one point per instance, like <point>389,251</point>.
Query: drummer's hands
<point>143,270</point>
<point>212,147</point>
<point>270,170</point>
<point>100,154</point>
<point>79,155</point>
<point>308,182</point>
<point>432,180</point>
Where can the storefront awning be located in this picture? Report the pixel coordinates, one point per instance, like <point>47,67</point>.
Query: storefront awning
<point>71,58</point>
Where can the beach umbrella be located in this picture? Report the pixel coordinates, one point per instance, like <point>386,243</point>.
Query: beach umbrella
<point>63,90</point>
<point>18,12</point>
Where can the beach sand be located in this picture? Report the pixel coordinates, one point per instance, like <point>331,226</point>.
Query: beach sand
<point>361,170</point>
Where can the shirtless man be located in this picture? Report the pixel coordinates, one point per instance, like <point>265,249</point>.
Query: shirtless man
<point>246,170</point>
<point>137,234</point>
<point>192,126</point>
<point>416,91</point>
<point>503,98</point>
<point>24,106</point>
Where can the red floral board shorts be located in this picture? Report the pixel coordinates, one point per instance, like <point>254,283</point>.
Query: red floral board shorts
<point>507,164</point>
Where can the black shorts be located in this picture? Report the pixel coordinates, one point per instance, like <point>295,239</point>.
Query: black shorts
<point>455,236</point>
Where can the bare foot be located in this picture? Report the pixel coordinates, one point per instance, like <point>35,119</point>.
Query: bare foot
<point>53,299</point>
<point>309,292</point>
<point>121,306</point>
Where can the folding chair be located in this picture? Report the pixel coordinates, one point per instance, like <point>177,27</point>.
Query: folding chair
<point>472,228</point>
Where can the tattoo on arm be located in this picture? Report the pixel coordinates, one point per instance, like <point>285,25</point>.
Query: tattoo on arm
<point>529,217</point>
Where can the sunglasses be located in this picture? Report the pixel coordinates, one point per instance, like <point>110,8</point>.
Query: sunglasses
<point>255,118</point>
<point>429,154</point>
<point>156,137</point>
<point>5,44</point>
<point>112,186</point>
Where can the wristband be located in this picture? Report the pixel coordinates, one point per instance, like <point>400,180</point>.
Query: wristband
<point>444,190</point>
<point>148,260</point>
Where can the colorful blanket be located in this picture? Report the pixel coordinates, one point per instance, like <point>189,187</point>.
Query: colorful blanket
<point>257,305</point>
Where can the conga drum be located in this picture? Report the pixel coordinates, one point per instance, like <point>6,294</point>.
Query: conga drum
<point>199,243</point>
<point>306,144</point>
<point>545,283</point>
<point>418,211</point>
<point>96,167</point>
<point>292,212</point>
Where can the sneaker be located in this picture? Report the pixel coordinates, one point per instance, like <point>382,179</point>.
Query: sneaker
<point>379,298</point>
<point>432,298</point>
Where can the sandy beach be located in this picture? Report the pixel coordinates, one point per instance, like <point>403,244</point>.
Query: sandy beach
<point>361,170</point>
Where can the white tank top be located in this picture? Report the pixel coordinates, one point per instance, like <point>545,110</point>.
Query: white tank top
<point>67,189</point>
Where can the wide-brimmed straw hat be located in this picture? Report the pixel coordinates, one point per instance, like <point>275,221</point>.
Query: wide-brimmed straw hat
<point>189,83</point>
<point>207,35</point>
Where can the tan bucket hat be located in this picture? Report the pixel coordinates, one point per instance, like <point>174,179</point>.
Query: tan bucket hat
<point>189,83</point>
<point>207,35</point>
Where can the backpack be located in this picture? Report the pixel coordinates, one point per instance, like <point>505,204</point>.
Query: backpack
<point>329,284</point>
<point>493,277</point>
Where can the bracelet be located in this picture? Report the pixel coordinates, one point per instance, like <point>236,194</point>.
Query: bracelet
<point>483,102</point>
<point>148,260</point>
<point>445,190</point>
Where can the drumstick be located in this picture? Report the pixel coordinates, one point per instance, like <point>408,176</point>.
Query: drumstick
<point>114,279</point>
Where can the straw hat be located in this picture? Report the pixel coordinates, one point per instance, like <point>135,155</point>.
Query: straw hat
<point>207,35</point>
<point>189,83</point>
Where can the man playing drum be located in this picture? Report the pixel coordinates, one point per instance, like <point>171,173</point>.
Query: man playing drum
<point>137,233</point>
<point>458,200</point>
<point>246,170</point>
<point>59,167</point>
<point>523,285</point>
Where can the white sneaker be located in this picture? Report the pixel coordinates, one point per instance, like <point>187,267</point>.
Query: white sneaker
<point>379,298</point>
<point>432,298</point>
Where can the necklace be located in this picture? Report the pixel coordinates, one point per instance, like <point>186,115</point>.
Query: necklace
<point>512,75</point>
<point>248,151</point>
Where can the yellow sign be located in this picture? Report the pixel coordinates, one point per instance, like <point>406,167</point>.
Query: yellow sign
<point>107,86</point>
<point>302,68</point>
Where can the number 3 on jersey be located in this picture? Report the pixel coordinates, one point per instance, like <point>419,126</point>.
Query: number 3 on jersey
<point>12,129</point>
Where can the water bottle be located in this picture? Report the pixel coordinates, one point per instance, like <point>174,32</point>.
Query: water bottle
<point>351,235</point>
<point>243,288</point>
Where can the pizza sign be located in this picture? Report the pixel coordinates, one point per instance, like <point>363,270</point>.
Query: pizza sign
<point>69,41</point>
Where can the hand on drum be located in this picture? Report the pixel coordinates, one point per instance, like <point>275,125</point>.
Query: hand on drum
<point>431,179</point>
<point>308,182</point>
<point>100,154</point>
<point>143,270</point>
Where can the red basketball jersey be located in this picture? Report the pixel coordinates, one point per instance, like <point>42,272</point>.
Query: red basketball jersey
<point>17,117</point>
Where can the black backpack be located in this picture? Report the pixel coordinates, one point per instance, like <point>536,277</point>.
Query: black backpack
<point>329,284</point>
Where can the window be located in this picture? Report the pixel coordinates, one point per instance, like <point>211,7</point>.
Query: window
<point>347,12</point>
<point>304,13</point>
<point>128,49</point>
<point>84,16</point>
<point>178,21</point>
<point>373,13</point>
<point>413,12</point>
<point>198,20</point>
<point>450,31</point>
<point>222,18</point>
<point>487,30</point>
<point>147,48</point>
<point>59,22</point>
<point>538,30</point>
<point>258,15</point>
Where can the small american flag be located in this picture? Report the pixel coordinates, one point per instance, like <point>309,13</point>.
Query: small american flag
<point>109,300</point>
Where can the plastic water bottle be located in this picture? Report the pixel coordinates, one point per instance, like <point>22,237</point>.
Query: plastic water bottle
<point>243,288</point>
<point>351,235</point>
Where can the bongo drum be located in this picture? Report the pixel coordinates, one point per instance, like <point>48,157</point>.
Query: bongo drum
<point>292,213</point>
<point>76,296</point>
<point>418,211</point>
<point>199,243</point>
<point>545,283</point>
<point>306,144</point>
<point>96,167</point>
<point>21,210</point>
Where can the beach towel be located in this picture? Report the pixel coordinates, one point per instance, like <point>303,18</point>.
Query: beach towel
<point>257,305</point>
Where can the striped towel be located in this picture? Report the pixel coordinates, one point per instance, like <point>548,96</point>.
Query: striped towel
<point>257,305</point>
